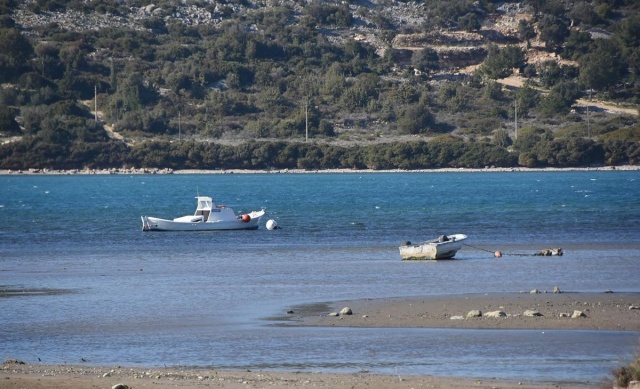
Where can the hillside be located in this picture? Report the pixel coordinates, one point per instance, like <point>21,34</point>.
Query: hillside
<point>319,84</point>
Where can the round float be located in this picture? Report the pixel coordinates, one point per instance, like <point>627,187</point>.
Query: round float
<point>271,224</point>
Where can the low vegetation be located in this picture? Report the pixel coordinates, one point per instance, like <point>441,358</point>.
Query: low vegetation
<point>220,84</point>
<point>625,374</point>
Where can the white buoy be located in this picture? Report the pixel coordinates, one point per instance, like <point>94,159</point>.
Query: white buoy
<point>271,224</point>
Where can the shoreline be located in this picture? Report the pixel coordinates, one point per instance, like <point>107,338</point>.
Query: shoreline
<point>161,171</point>
<point>604,311</point>
<point>17,375</point>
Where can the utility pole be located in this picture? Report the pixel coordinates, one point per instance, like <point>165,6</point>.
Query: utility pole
<point>588,118</point>
<point>515,110</point>
<point>95,105</point>
<point>307,82</point>
<point>206,120</point>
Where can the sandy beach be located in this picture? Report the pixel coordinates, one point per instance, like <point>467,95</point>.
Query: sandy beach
<point>18,376</point>
<point>600,311</point>
<point>593,311</point>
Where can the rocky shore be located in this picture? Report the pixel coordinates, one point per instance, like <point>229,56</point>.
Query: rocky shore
<point>301,171</point>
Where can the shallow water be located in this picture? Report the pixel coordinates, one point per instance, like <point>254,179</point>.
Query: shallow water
<point>111,294</point>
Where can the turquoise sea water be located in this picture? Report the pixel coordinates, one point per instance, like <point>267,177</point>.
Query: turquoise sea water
<point>97,288</point>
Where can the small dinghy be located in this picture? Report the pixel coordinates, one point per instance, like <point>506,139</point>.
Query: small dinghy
<point>444,247</point>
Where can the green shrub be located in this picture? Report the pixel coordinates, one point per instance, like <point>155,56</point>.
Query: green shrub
<point>625,374</point>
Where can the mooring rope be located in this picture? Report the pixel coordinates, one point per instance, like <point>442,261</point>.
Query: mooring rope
<point>501,252</point>
<point>480,248</point>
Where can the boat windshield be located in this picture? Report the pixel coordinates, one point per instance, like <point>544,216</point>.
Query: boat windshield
<point>205,203</point>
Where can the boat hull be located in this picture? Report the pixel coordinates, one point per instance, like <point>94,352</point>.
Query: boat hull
<point>433,250</point>
<point>156,224</point>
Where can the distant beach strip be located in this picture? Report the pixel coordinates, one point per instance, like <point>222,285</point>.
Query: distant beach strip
<point>304,171</point>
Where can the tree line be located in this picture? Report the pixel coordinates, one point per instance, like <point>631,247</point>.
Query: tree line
<point>542,150</point>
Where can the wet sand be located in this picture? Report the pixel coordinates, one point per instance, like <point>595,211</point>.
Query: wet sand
<point>602,311</point>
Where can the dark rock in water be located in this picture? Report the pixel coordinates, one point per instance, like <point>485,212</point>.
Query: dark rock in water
<point>550,252</point>
<point>13,362</point>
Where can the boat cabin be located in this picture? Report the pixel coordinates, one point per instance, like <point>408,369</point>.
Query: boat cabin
<point>209,211</point>
<point>205,205</point>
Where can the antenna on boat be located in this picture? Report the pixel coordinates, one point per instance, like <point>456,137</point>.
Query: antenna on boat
<point>197,191</point>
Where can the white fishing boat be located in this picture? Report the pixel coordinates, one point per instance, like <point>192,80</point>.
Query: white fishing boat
<point>444,247</point>
<point>208,217</point>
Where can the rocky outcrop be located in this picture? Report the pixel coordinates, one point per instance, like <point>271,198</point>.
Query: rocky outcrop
<point>346,311</point>
<point>78,21</point>
<point>456,49</point>
<point>550,252</point>
<point>474,313</point>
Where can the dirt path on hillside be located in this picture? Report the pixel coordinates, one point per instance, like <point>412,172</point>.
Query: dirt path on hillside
<point>109,129</point>
<point>112,134</point>
<point>517,82</point>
